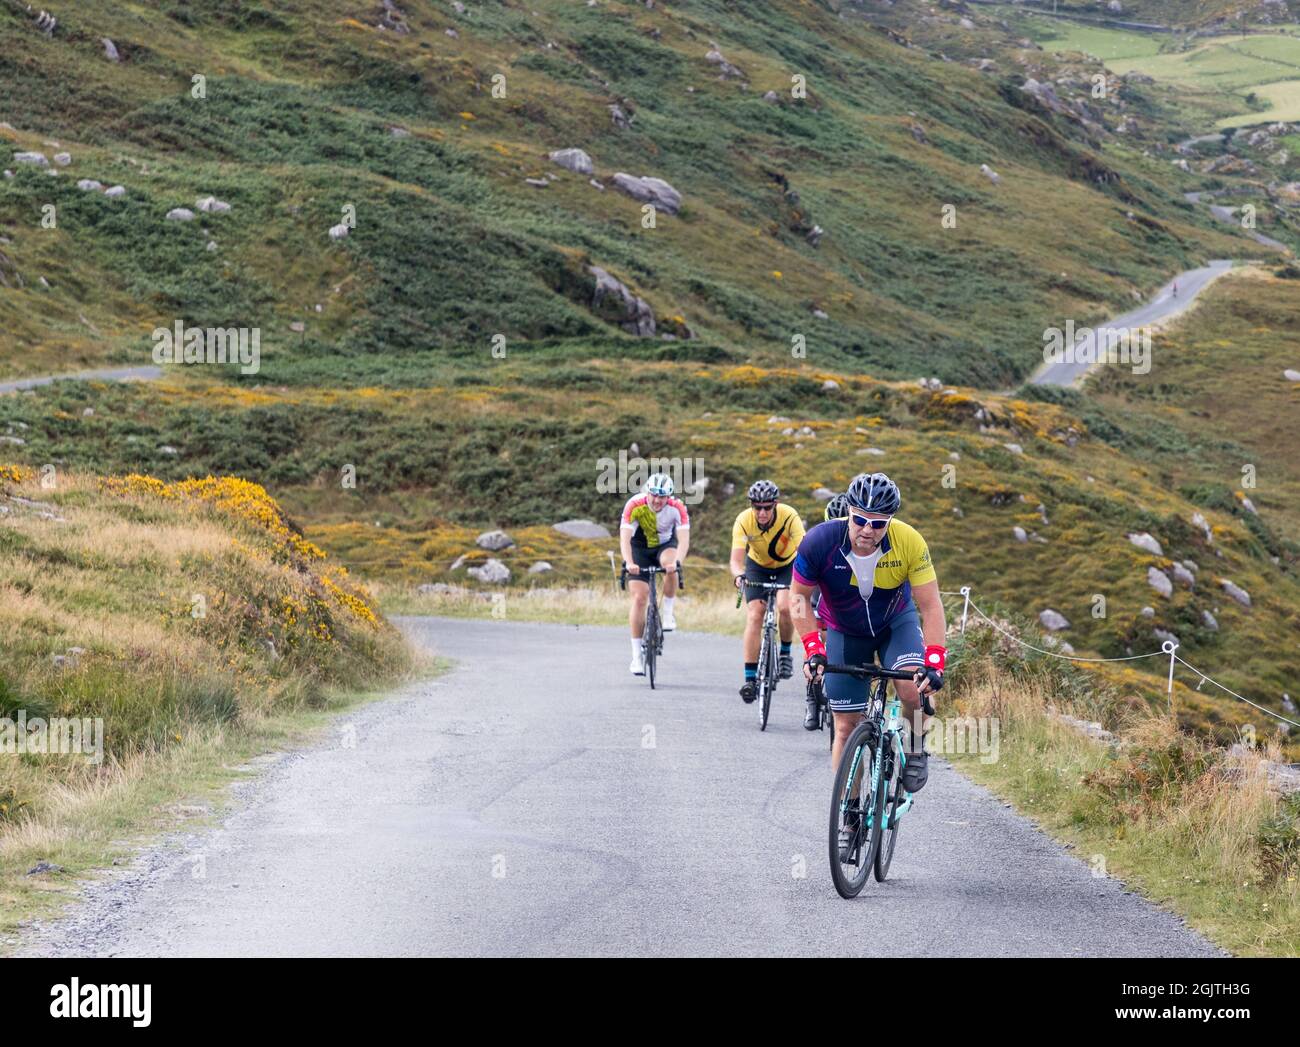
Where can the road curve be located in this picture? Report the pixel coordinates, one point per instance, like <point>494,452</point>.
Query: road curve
<point>539,800</point>
<point>1164,305</point>
<point>119,374</point>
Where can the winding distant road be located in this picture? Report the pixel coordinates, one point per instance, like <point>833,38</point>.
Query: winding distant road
<point>539,801</point>
<point>1164,305</point>
<point>119,374</point>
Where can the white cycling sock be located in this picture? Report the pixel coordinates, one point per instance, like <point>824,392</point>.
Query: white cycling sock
<point>636,646</point>
<point>668,604</point>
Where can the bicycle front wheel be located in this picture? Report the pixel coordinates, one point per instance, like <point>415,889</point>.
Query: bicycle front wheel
<point>651,643</point>
<point>765,682</point>
<point>889,798</point>
<point>854,828</point>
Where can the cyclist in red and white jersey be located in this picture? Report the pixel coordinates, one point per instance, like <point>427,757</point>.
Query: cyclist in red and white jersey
<point>655,531</point>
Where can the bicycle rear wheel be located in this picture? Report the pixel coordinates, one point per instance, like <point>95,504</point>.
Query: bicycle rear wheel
<point>889,798</point>
<point>853,810</point>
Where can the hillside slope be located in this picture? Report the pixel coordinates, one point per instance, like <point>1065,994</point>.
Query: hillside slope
<point>314,107</point>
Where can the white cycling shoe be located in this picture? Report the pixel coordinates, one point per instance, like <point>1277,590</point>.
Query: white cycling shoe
<point>637,668</point>
<point>670,623</point>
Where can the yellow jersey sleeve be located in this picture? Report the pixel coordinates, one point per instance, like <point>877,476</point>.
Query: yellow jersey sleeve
<point>797,531</point>
<point>739,531</point>
<point>920,568</point>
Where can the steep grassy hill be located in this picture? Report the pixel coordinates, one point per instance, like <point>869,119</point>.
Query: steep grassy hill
<point>302,111</point>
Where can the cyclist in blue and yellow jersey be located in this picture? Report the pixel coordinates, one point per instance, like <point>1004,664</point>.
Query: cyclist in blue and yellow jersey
<point>874,574</point>
<point>764,540</point>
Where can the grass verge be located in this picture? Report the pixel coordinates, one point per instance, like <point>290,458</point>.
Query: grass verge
<point>177,626</point>
<point>1193,827</point>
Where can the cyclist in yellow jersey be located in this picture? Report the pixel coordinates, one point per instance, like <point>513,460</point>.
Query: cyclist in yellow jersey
<point>764,541</point>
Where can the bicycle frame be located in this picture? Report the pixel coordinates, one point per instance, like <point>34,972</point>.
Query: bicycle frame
<point>652,636</point>
<point>885,710</point>
<point>767,650</point>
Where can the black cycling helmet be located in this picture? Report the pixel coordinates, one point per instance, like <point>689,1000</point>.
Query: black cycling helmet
<point>874,493</point>
<point>764,491</point>
<point>837,508</point>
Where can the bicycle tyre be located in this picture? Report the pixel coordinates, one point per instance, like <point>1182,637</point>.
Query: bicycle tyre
<point>764,681</point>
<point>849,885</point>
<point>651,644</point>
<point>891,795</point>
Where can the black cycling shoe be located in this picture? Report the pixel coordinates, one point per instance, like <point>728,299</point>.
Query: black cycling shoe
<point>749,691</point>
<point>916,772</point>
<point>787,666</point>
<point>812,714</point>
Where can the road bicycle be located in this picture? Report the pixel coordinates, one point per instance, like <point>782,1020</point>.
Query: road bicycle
<point>868,800</point>
<point>652,637</point>
<point>769,667</point>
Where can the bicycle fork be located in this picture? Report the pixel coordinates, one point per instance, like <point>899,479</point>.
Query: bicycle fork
<point>894,730</point>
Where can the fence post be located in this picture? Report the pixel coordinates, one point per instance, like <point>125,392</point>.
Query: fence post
<point>965,596</point>
<point>1169,647</point>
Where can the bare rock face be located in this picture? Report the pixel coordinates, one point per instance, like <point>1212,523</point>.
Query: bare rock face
<point>393,18</point>
<point>728,71</point>
<point>615,302</point>
<point>1054,620</point>
<point>494,572</point>
<point>1144,541</point>
<point>1159,581</point>
<point>581,529</point>
<point>654,191</point>
<point>494,541</point>
<point>575,160</point>
<point>1236,592</point>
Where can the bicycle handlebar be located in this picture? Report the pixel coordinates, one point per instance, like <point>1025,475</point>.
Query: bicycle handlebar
<point>878,672</point>
<point>746,583</point>
<point>872,672</point>
<point>624,575</point>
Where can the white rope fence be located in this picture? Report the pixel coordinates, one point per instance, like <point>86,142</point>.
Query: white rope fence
<point>1168,647</point>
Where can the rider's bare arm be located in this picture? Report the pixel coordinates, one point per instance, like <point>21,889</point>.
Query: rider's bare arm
<point>625,547</point>
<point>683,542</point>
<point>801,607</point>
<point>737,563</point>
<point>934,625</point>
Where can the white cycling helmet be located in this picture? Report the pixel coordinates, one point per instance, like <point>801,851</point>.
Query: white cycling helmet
<point>659,483</point>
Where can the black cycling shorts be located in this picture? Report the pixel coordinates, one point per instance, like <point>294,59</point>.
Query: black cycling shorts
<point>755,573</point>
<point>644,556</point>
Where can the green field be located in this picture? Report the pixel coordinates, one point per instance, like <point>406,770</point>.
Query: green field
<point>1222,70</point>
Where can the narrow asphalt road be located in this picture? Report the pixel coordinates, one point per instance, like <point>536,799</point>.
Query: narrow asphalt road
<point>540,800</point>
<point>1164,305</point>
<point>119,374</point>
